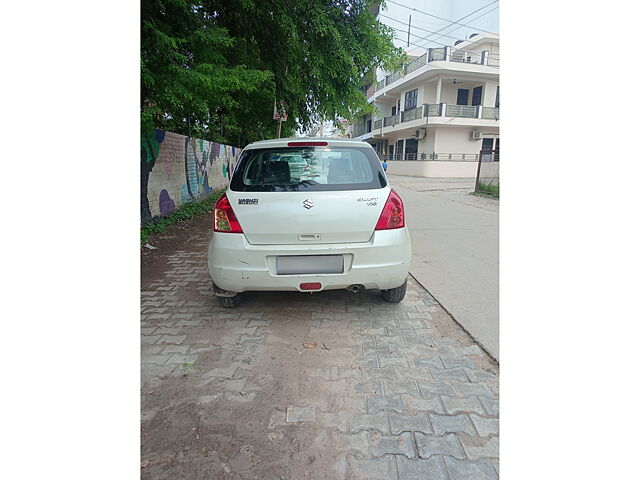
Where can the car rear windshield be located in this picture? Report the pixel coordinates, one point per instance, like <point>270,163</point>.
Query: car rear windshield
<point>308,169</point>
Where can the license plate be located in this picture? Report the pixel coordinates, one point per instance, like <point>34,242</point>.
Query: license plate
<point>309,264</point>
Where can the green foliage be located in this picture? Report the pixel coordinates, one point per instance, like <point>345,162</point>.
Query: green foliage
<point>213,68</point>
<point>186,368</point>
<point>149,147</point>
<point>488,190</point>
<point>182,213</point>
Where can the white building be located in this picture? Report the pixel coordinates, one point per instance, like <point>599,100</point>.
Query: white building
<point>440,114</point>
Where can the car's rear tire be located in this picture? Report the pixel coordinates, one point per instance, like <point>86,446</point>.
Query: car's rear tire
<point>395,295</point>
<point>230,302</point>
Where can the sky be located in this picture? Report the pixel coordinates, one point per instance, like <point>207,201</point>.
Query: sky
<point>396,15</point>
<point>452,10</point>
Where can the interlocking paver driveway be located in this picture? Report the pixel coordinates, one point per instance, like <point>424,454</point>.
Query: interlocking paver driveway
<point>388,391</point>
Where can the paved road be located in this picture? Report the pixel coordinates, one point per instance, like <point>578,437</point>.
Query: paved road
<point>379,391</point>
<point>455,250</point>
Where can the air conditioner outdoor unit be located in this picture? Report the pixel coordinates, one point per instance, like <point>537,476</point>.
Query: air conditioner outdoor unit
<point>420,134</point>
<point>476,135</point>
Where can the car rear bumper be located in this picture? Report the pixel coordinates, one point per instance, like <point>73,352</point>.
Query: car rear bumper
<point>236,265</point>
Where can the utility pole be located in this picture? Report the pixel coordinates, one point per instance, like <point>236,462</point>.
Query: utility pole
<point>278,113</point>
<point>409,31</point>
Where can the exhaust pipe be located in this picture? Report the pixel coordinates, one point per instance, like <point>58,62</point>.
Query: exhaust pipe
<point>355,288</point>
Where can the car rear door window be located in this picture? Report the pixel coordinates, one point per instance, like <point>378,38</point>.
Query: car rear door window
<point>308,169</point>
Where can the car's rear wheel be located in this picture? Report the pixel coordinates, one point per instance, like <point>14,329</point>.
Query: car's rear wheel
<point>395,295</point>
<point>230,302</point>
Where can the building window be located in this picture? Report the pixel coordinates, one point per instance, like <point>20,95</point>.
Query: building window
<point>411,99</point>
<point>463,96</point>
<point>498,96</point>
<point>411,149</point>
<point>400,149</point>
<point>477,96</point>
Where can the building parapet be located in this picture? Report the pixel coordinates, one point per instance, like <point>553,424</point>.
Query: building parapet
<point>443,54</point>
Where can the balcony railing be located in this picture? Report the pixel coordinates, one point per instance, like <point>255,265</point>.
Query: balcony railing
<point>426,111</point>
<point>412,114</point>
<point>391,120</point>
<point>417,63</point>
<point>440,110</point>
<point>492,156</point>
<point>464,56</point>
<point>404,156</point>
<point>389,79</point>
<point>463,111</point>
<point>438,55</point>
<point>491,113</point>
<point>432,110</point>
<point>454,157</point>
<point>360,128</point>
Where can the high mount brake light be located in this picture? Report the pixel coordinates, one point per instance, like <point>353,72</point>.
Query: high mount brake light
<point>392,215</point>
<point>307,144</point>
<point>224,219</point>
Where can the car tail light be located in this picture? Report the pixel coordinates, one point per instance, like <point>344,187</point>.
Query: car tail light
<point>224,219</point>
<point>310,286</point>
<point>392,215</point>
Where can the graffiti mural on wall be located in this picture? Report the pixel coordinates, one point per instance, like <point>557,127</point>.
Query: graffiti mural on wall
<point>176,169</point>
<point>150,148</point>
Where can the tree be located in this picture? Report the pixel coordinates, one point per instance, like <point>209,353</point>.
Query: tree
<point>213,68</point>
<point>188,85</point>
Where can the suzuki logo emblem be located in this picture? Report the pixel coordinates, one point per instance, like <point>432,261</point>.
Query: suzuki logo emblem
<point>307,204</point>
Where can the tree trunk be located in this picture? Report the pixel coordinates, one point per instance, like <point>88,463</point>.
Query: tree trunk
<point>145,211</point>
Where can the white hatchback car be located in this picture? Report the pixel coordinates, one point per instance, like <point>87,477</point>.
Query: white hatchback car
<point>334,224</point>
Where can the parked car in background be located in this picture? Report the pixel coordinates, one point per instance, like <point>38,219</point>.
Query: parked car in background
<point>336,225</point>
<point>298,166</point>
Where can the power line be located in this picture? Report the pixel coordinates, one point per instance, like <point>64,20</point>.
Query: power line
<point>417,28</point>
<point>458,28</point>
<point>419,38</point>
<point>440,18</point>
<point>422,38</point>
<point>462,18</point>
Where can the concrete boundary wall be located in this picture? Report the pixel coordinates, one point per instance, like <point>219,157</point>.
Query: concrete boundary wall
<point>432,169</point>
<point>490,173</point>
<point>176,169</point>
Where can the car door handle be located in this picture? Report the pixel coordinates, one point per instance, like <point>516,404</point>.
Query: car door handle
<point>308,236</point>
